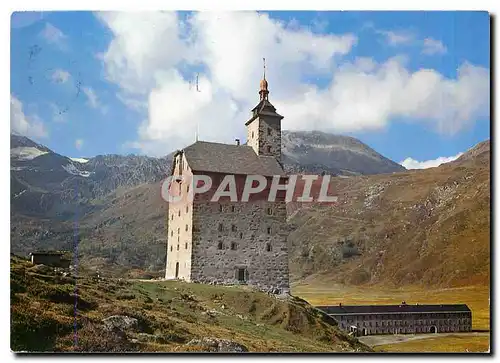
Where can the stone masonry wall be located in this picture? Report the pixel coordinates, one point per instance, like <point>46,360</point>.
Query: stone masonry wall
<point>248,231</point>
<point>265,132</point>
<point>179,240</point>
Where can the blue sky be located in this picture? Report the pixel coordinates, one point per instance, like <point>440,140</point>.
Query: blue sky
<point>87,84</point>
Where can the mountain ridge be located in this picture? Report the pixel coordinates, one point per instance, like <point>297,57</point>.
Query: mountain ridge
<point>124,229</point>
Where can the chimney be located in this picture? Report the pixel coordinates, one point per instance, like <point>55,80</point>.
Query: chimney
<point>340,304</point>
<point>237,141</point>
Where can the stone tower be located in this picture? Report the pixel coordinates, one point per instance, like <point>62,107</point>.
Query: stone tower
<point>224,241</point>
<point>264,127</point>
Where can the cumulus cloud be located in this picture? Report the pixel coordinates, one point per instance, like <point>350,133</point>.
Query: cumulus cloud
<point>22,124</point>
<point>433,46</point>
<point>151,57</point>
<point>410,163</point>
<point>395,38</point>
<point>60,76</point>
<point>54,36</point>
<point>78,144</point>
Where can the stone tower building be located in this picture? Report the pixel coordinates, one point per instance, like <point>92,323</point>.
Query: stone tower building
<point>228,242</point>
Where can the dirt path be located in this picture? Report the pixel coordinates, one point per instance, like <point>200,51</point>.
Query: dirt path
<point>373,340</point>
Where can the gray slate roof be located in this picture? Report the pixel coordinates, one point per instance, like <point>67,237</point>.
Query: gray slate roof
<point>230,159</point>
<point>392,309</point>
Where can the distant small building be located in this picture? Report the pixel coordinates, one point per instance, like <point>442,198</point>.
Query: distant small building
<point>49,258</point>
<point>400,319</point>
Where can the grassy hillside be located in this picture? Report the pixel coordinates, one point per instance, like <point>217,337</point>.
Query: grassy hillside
<point>429,227</point>
<point>169,315</point>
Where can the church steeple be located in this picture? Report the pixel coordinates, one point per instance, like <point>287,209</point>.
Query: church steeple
<point>264,92</point>
<point>264,127</point>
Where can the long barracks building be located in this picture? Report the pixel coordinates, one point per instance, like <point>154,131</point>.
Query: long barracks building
<point>400,319</point>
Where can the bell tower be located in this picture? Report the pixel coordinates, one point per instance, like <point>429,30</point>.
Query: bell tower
<point>264,126</point>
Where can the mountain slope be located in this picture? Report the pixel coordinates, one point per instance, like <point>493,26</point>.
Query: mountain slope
<point>168,315</point>
<point>49,185</point>
<point>421,226</point>
<point>110,205</point>
<point>427,227</point>
<point>318,152</point>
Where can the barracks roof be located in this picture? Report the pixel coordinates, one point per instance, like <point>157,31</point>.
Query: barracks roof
<point>392,309</point>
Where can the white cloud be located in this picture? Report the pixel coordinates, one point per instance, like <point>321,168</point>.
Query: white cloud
<point>21,124</point>
<point>54,36</point>
<point>91,96</point>
<point>410,163</point>
<point>60,76</point>
<point>78,144</point>
<point>143,43</point>
<point>150,52</point>
<point>433,46</point>
<point>93,100</point>
<point>366,95</point>
<point>395,38</point>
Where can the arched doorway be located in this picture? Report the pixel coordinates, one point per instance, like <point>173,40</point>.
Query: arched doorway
<point>176,269</point>
<point>365,332</point>
<point>433,329</point>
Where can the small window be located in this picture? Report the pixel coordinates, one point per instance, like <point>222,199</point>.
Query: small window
<point>268,230</point>
<point>186,246</point>
<point>178,239</point>
<point>171,233</point>
<point>252,134</point>
<point>269,131</point>
<point>186,227</point>
<point>233,228</point>
<point>171,248</point>
<point>220,208</point>
<point>233,208</point>
<point>269,149</point>
<point>268,247</point>
<point>187,188</point>
<point>177,247</point>
<point>270,211</point>
<point>234,246</point>
<point>241,235</point>
<point>179,213</point>
<point>221,227</point>
<point>220,246</point>
<point>172,217</point>
<point>187,209</point>
<point>178,230</point>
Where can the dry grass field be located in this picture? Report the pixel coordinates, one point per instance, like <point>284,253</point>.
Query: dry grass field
<point>446,344</point>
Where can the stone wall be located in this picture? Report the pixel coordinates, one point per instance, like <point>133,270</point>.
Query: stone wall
<point>179,240</point>
<point>264,133</point>
<point>250,236</point>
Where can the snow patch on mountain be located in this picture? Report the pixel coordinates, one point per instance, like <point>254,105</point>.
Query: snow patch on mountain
<point>80,160</point>
<point>26,153</point>
<point>70,168</point>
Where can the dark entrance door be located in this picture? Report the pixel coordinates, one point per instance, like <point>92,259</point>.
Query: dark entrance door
<point>433,329</point>
<point>241,274</point>
<point>177,270</point>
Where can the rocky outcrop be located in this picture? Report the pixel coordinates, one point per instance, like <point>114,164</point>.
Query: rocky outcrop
<point>120,323</point>
<point>218,345</point>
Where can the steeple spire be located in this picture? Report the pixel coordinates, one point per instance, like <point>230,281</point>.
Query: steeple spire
<point>264,92</point>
